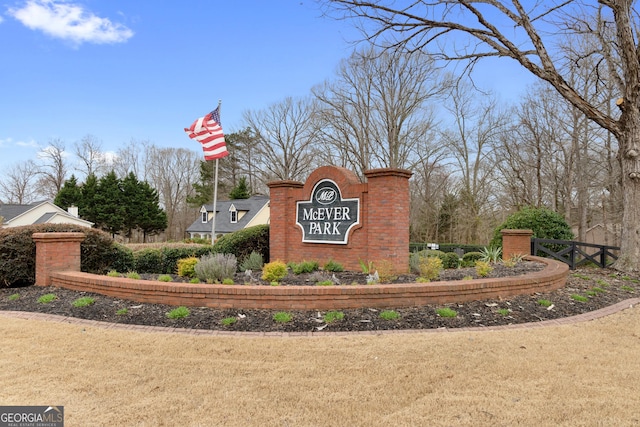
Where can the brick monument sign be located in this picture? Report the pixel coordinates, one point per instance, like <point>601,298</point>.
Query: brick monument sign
<point>334,216</point>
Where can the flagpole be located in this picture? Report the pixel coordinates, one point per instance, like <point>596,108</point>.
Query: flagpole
<point>215,194</point>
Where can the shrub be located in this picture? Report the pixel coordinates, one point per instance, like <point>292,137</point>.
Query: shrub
<point>386,271</point>
<point>430,268</point>
<point>132,275</point>
<point>214,268</point>
<point>483,268</point>
<point>149,261</point>
<point>545,224</point>
<point>18,252</point>
<point>253,262</point>
<point>165,278</point>
<point>242,242</point>
<point>274,271</point>
<point>164,259</point>
<point>333,266</point>
<point>469,259</point>
<point>186,267</point>
<point>450,260</point>
<point>304,267</point>
<point>122,258</point>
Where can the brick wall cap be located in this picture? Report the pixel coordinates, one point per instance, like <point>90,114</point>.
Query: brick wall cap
<point>287,183</point>
<point>515,232</point>
<point>59,236</point>
<point>378,173</point>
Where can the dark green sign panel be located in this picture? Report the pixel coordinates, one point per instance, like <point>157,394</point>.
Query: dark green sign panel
<point>327,217</point>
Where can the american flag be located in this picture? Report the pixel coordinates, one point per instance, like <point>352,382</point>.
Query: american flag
<point>208,131</point>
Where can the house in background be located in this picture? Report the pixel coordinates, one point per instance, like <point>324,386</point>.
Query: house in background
<point>231,215</point>
<point>43,212</point>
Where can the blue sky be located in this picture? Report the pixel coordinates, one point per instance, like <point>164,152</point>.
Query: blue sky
<point>122,70</point>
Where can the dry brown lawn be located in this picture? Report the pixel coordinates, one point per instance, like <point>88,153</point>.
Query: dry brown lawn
<point>585,374</point>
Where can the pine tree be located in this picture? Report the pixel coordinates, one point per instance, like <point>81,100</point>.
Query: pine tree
<point>69,195</point>
<point>240,191</point>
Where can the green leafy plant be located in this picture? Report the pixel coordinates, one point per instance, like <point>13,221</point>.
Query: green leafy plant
<point>214,268</point>
<point>165,278</point>
<point>446,312</point>
<point>228,281</point>
<point>194,281</point>
<point>389,315</point>
<point>491,254</point>
<point>579,298</point>
<point>545,302</point>
<point>602,283</point>
<point>469,259</point>
<point>228,321</point>
<point>430,267</point>
<point>254,262</point>
<point>47,298</point>
<point>324,283</point>
<point>367,268</point>
<point>13,297</point>
<point>133,275</point>
<point>113,273</point>
<point>122,311</point>
<point>483,268</point>
<point>545,224</point>
<point>178,313</point>
<point>274,271</point>
<point>467,278</point>
<point>83,302</point>
<point>333,266</point>
<point>332,316</point>
<point>627,288</point>
<point>304,267</point>
<point>450,260</point>
<point>581,276</point>
<point>186,267</point>
<point>282,317</point>
<point>504,311</point>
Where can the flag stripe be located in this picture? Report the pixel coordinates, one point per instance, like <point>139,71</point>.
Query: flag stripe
<point>208,131</point>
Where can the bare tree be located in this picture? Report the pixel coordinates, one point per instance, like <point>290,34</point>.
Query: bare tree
<point>54,168</point>
<point>92,159</point>
<point>477,126</point>
<point>132,158</point>
<point>286,133</point>
<point>378,111</point>
<point>506,29</point>
<point>17,186</point>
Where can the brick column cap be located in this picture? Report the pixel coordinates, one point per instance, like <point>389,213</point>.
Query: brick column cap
<point>59,236</point>
<point>377,173</point>
<point>287,183</point>
<point>516,232</point>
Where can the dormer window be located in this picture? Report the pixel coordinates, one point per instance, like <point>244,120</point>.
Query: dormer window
<point>233,214</point>
<point>204,217</point>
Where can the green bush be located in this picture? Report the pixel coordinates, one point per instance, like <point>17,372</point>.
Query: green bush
<point>214,268</point>
<point>18,252</point>
<point>545,224</point>
<point>253,262</point>
<point>450,260</point>
<point>333,266</point>
<point>469,259</point>
<point>304,267</point>
<point>186,267</point>
<point>164,260</point>
<point>122,258</point>
<point>242,242</point>
<point>274,271</point>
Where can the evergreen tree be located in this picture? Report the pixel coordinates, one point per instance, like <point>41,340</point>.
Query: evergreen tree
<point>87,205</point>
<point>204,188</point>
<point>110,209</point>
<point>240,191</point>
<point>152,219</point>
<point>69,195</point>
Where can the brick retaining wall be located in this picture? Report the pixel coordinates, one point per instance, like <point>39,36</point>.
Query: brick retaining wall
<point>552,277</point>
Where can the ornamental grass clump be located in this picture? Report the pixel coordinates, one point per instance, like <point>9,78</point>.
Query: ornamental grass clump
<point>253,262</point>
<point>304,267</point>
<point>214,268</point>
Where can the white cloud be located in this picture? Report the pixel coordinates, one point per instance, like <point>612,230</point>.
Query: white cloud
<point>68,21</point>
<point>30,143</point>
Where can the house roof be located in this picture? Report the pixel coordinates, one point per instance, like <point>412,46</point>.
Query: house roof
<point>251,206</point>
<point>12,212</point>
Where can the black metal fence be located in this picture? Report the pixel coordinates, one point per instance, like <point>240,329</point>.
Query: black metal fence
<point>575,253</point>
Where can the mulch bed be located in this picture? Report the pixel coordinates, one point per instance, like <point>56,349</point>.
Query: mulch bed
<point>600,287</point>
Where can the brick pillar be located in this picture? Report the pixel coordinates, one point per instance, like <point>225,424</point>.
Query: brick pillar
<point>56,252</point>
<point>516,242</point>
<point>282,216</point>
<point>388,216</point>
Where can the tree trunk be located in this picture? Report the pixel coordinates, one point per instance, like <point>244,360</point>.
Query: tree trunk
<point>629,260</point>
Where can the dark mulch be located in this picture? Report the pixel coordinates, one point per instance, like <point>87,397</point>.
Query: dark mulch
<point>601,287</point>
